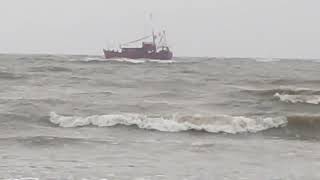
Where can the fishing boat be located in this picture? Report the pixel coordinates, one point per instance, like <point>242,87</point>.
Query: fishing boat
<point>156,49</point>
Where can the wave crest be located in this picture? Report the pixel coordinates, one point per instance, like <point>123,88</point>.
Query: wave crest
<point>283,90</point>
<point>266,60</point>
<point>214,124</point>
<point>308,99</point>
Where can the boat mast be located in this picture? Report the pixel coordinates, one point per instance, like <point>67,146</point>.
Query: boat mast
<point>153,38</point>
<point>153,34</point>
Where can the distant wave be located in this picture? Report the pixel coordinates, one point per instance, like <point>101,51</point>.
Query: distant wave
<point>24,178</point>
<point>50,68</point>
<point>214,124</point>
<point>309,99</point>
<point>286,60</point>
<point>289,94</point>
<point>283,90</point>
<point>266,60</point>
<point>10,76</point>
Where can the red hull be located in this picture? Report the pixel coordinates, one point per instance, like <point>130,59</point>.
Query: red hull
<point>162,55</point>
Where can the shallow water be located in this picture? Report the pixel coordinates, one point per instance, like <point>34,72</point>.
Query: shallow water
<point>83,117</point>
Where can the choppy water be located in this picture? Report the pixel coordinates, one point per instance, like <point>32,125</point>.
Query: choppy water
<point>83,117</point>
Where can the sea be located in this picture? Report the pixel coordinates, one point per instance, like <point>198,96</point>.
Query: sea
<point>81,117</point>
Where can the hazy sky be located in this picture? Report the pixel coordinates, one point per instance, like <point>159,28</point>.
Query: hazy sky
<point>242,28</point>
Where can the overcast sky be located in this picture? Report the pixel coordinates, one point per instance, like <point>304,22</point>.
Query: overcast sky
<point>241,28</point>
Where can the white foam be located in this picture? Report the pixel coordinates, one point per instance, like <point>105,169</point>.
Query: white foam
<point>133,61</point>
<point>215,124</point>
<point>267,60</point>
<point>88,59</point>
<point>309,99</point>
<point>280,88</point>
<point>161,61</point>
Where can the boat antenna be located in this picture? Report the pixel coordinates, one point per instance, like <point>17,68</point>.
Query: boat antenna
<point>153,34</point>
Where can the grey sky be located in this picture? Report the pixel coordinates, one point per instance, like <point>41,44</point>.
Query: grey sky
<point>246,28</point>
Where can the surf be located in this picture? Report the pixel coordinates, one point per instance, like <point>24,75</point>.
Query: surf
<point>307,99</point>
<point>173,123</point>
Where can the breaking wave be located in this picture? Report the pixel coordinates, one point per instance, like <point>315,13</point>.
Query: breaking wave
<point>282,90</point>
<point>288,94</point>
<point>214,124</point>
<point>308,99</point>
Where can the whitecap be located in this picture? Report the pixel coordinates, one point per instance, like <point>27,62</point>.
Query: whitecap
<point>308,99</point>
<point>214,124</point>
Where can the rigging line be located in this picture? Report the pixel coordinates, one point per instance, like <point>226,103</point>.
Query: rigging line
<point>146,37</point>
